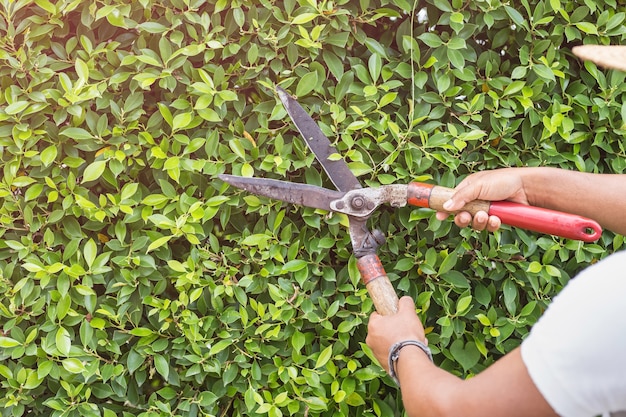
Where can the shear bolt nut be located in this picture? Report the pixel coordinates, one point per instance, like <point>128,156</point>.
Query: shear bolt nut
<point>358,202</point>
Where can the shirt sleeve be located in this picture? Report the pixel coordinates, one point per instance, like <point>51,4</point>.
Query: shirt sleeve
<point>576,352</point>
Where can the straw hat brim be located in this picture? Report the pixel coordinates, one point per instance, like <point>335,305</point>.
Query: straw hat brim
<point>607,56</point>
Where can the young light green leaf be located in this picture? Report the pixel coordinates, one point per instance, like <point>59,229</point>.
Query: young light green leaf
<point>63,341</point>
<point>158,243</point>
<point>82,70</point>
<point>181,121</point>
<point>324,357</point>
<point>93,171</point>
<point>73,365</point>
<point>90,251</point>
<point>16,107</point>
<point>304,18</point>
<point>49,155</point>
<point>7,342</point>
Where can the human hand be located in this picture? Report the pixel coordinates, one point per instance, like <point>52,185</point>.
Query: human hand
<point>385,331</point>
<point>494,185</point>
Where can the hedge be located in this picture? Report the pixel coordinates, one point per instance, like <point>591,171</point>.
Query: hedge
<point>134,283</point>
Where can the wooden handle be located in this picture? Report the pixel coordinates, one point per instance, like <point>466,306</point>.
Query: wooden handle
<point>433,196</point>
<point>378,285</point>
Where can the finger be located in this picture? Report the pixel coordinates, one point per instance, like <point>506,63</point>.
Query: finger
<point>442,215</point>
<point>406,303</point>
<point>463,219</point>
<point>374,317</point>
<point>494,223</point>
<point>479,222</point>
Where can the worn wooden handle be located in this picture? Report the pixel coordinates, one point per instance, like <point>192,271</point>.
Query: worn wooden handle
<point>378,285</point>
<point>433,196</point>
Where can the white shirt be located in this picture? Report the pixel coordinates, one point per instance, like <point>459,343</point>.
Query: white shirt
<point>576,352</point>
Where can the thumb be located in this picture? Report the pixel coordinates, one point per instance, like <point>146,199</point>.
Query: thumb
<point>465,192</point>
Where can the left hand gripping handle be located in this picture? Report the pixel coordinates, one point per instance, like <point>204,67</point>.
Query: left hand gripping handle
<point>378,285</point>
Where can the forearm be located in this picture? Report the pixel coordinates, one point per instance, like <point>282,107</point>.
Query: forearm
<point>426,388</point>
<point>504,389</point>
<point>601,197</point>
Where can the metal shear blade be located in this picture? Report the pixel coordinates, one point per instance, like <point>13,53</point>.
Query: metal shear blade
<point>294,193</point>
<point>337,170</point>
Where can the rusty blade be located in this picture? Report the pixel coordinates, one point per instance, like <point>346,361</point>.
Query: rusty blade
<point>294,193</point>
<point>337,170</point>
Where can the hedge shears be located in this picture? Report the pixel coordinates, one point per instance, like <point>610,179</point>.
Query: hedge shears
<point>359,203</point>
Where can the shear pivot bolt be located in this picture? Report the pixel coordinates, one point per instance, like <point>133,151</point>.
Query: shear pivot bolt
<point>357,202</point>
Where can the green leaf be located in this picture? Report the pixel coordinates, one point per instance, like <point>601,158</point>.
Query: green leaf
<point>448,263</point>
<point>430,39</point>
<point>47,6</point>
<point>463,304</point>
<point>154,200</point>
<point>587,27</point>
<point>7,342</point>
<point>82,69</point>
<point>219,346</point>
<point>73,365</point>
<point>90,251</point>
<point>466,354</point>
<point>134,361</point>
<point>295,265</point>
<point>141,332</point>
<point>456,279</point>
<point>33,192</point>
<point>515,16</point>
<point>334,64</point>
<point>510,295</point>
<point>376,47</point>
<point>76,133</point>
<point>63,341</point>
<point>162,366</point>
<point>457,43</point>
<point>307,83</point>
<point>324,357</point>
<point>158,243</point>
<point>387,99</point>
<point>375,65</point>
<point>304,18</point>
<point>93,171</point>
<point>534,267</point>
<point>544,72</point>
<point>166,113</point>
<point>16,107</point>
<point>49,155</point>
<point>181,121</point>
<point>153,27</point>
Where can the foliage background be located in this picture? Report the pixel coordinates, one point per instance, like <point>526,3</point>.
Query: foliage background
<point>134,283</point>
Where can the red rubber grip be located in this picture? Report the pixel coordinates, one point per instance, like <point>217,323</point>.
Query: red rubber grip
<point>570,226</point>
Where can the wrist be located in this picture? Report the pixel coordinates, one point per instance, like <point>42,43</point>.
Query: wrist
<point>537,185</point>
<point>396,349</point>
